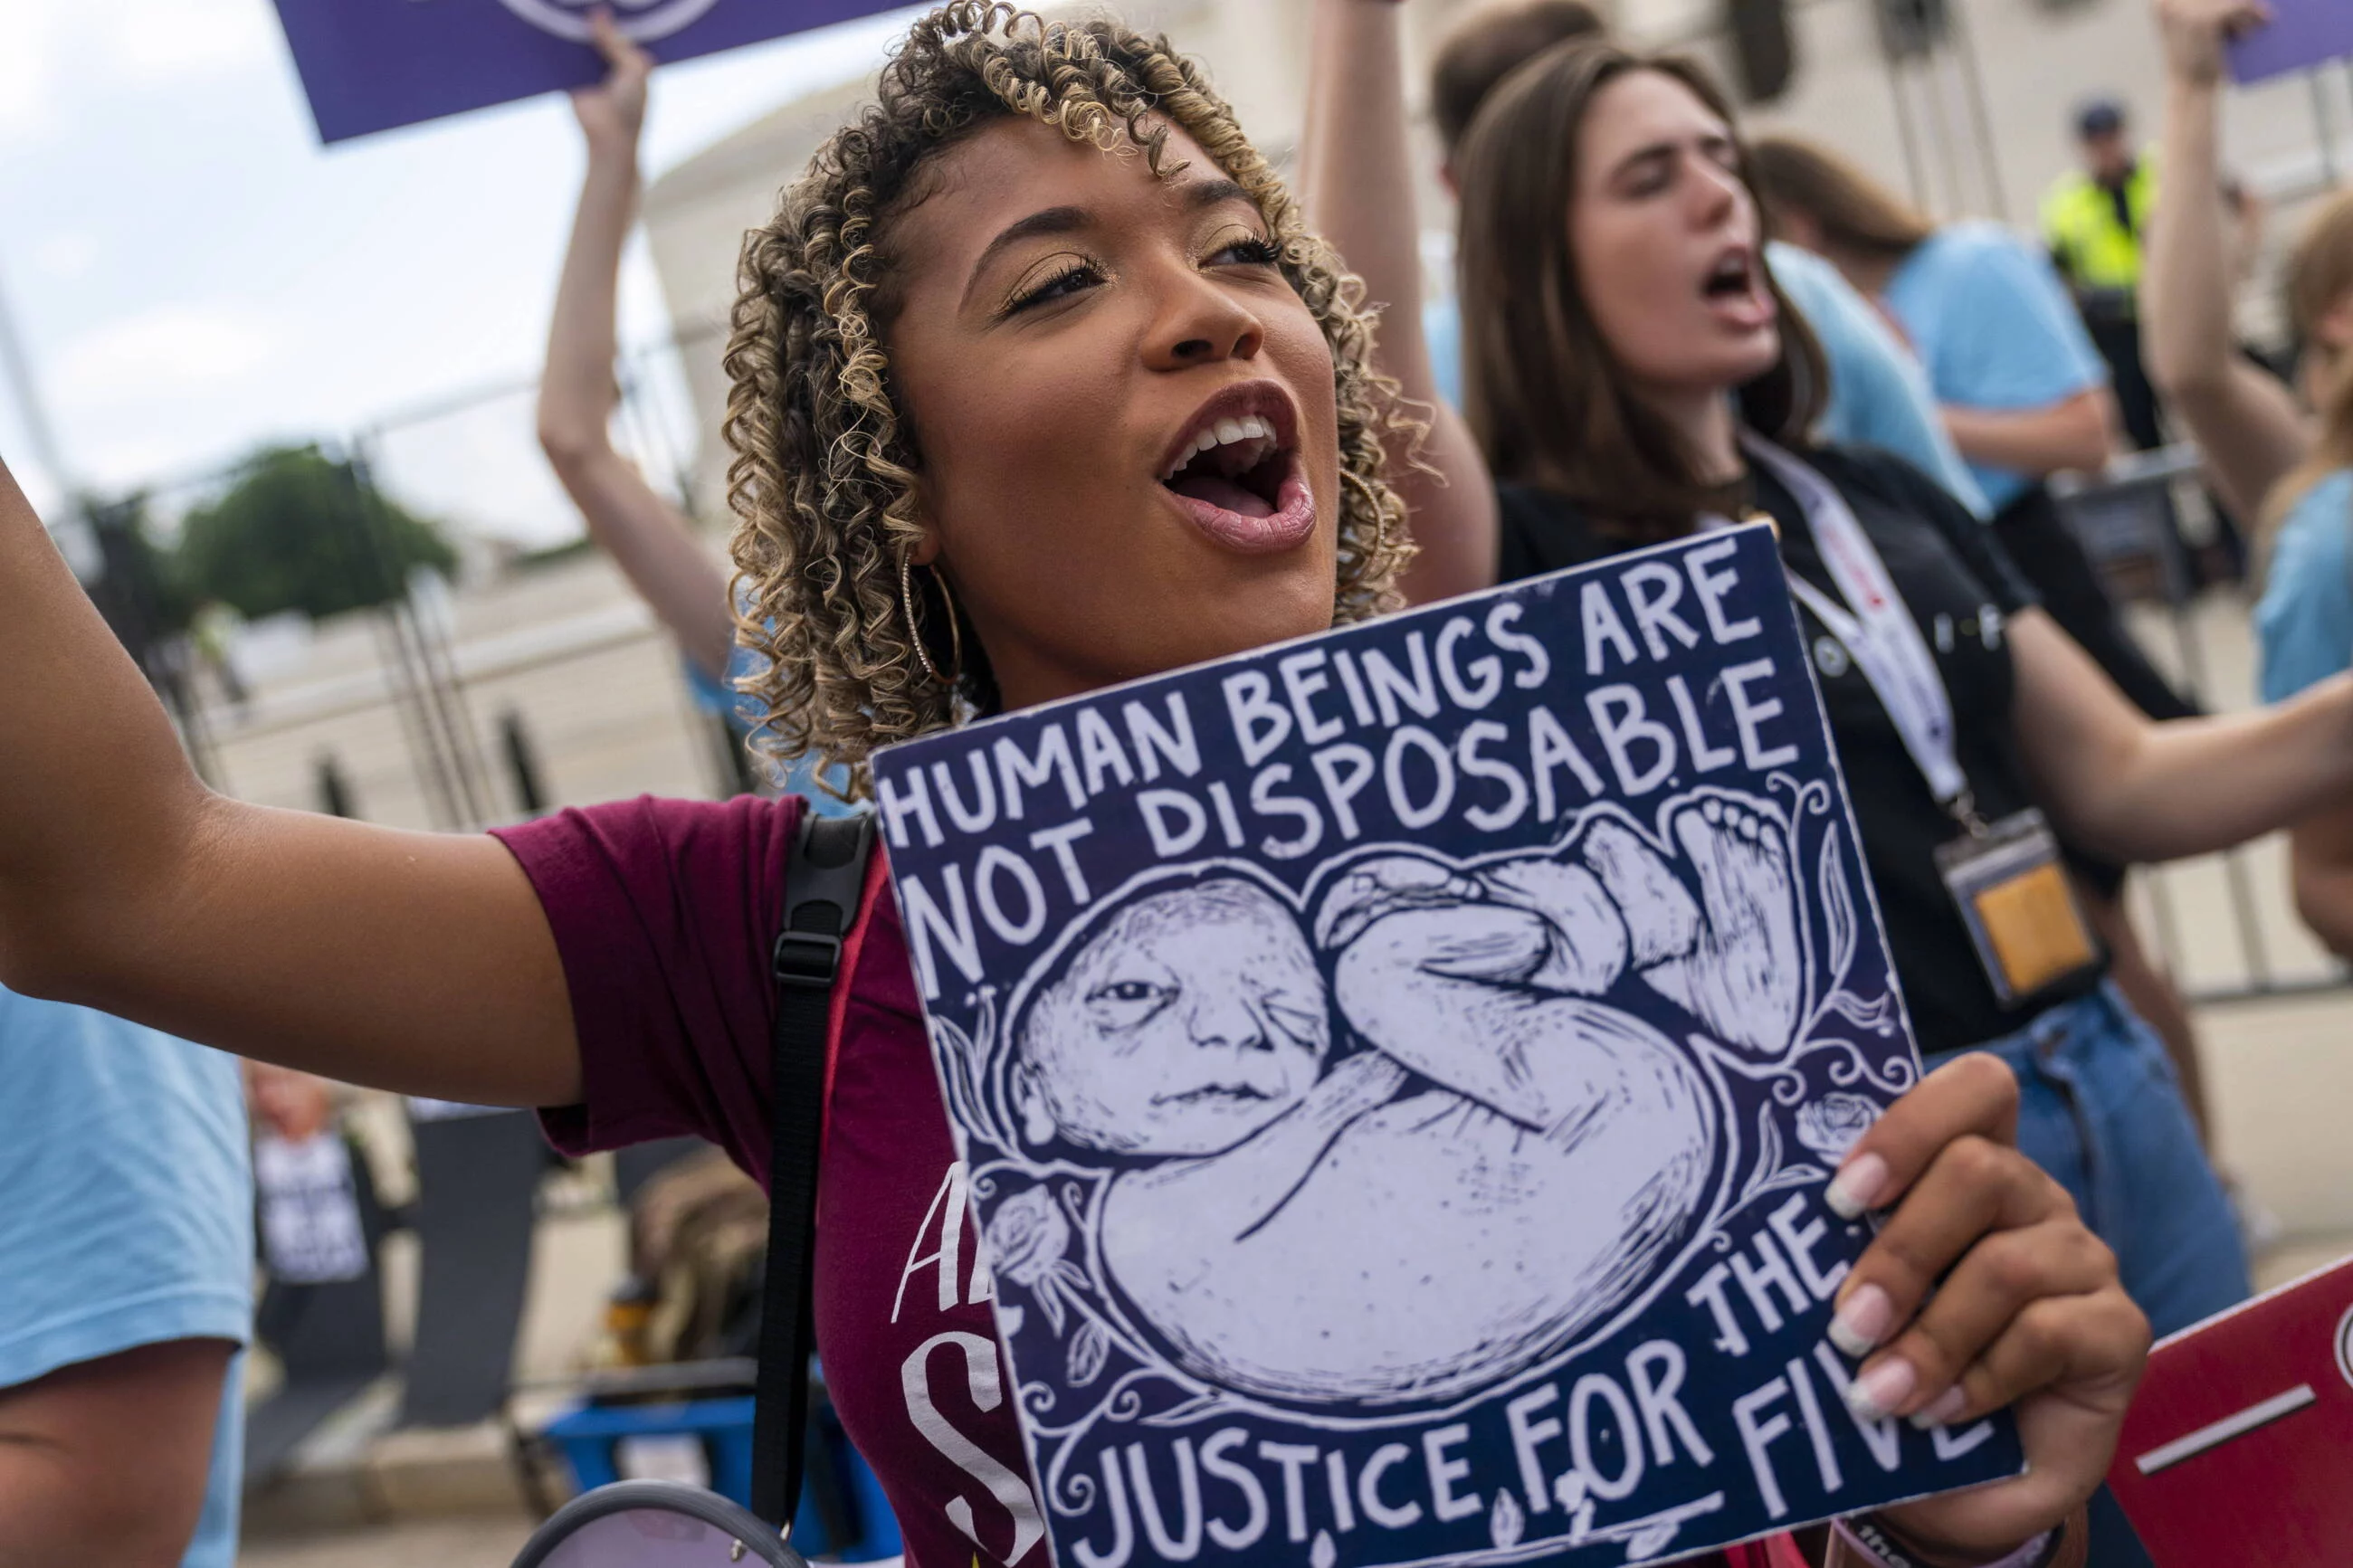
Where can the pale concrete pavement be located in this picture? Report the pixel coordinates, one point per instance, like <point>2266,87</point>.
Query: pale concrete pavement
<point>441,1543</point>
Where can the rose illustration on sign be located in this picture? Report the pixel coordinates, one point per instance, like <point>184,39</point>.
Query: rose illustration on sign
<point>641,20</point>
<point>1028,1236</point>
<point>1830,1126</point>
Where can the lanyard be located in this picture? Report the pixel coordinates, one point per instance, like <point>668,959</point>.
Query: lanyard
<point>1874,624</point>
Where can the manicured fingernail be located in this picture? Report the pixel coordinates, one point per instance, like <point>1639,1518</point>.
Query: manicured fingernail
<point>1857,1187</point>
<point>1874,1395</point>
<point>1940,1411</point>
<point>1863,1321</point>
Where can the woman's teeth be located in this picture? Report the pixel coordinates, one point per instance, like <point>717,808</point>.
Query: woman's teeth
<point>1226,433</point>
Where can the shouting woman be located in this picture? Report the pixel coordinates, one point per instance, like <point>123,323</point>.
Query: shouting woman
<point>1039,384</point>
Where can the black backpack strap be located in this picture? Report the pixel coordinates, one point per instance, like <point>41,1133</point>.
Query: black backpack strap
<point>823,884</point>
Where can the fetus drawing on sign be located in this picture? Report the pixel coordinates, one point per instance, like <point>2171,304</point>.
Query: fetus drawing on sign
<point>1416,1147</point>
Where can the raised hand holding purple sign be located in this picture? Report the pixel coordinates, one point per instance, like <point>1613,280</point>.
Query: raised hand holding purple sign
<point>374,65</point>
<point>2301,33</point>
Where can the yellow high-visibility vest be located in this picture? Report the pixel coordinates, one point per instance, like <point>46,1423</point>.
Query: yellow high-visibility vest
<point>2079,224</point>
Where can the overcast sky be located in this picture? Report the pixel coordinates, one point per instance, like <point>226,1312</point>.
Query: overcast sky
<point>192,275</point>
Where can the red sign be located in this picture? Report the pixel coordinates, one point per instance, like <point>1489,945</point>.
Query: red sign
<point>2240,1448</point>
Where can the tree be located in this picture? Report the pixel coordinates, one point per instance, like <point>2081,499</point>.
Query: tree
<point>298,532</point>
<point>141,588</point>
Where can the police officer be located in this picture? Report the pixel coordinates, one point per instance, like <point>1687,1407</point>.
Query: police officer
<point>2093,221</point>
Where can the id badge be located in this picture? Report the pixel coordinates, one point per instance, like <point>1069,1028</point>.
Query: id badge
<point>2015,897</point>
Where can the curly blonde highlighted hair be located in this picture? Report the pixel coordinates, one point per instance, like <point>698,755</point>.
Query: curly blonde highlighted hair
<point>823,477</point>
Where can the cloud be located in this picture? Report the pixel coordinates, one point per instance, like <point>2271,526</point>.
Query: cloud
<point>168,351</point>
<point>151,43</point>
<point>51,51</point>
<point>28,65</point>
<point>66,256</point>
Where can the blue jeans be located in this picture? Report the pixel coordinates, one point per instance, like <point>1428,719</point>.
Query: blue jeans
<point>2100,1110</point>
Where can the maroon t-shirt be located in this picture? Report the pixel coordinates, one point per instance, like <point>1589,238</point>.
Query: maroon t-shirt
<point>664,912</point>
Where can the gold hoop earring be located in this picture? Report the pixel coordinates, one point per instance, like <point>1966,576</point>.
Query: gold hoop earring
<point>915,623</point>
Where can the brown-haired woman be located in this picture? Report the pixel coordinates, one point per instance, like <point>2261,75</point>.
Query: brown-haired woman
<point>971,356</point>
<point>2024,393</point>
<point>1631,375</point>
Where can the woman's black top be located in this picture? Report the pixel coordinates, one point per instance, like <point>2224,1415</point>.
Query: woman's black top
<point>1961,587</point>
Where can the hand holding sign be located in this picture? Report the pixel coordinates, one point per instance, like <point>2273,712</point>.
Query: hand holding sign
<point>1399,1073</point>
<point>612,113</point>
<point>2296,35</point>
<point>387,63</point>
<point>2030,1313</point>
<point>2197,33</point>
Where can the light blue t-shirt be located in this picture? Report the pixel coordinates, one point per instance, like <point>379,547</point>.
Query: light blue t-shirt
<point>2305,620</point>
<point>1442,328</point>
<point>1879,395</point>
<point>1995,328</point>
<point>128,1218</point>
<point>800,778</point>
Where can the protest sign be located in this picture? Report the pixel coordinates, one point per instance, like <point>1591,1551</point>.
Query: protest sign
<point>2301,33</point>
<point>372,65</point>
<point>310,1209</point>
<point>2236,1447</point>
<point>1396,1072</point>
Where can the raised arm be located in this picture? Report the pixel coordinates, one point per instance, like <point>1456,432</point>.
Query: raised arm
<point>2134,790</point>
<point>643,533</point>
<point>412,960</point>
<point>1359,162</point>
<point>2245,422</point>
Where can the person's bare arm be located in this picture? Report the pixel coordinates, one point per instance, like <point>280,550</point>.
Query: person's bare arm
<point>2246,423</point>
<point>106,1461</point>
<point>644,534</point>
<point>2075,433</point>
<point>1362,201</point>
<point>417,961</point>
<point>1306,157</point>
<point>2134,790</point>
<point>2321,855</point>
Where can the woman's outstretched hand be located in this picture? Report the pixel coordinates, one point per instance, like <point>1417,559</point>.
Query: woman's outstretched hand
<point>2027,1311</point>
<point>2195,31</point>
<point>613,112</point>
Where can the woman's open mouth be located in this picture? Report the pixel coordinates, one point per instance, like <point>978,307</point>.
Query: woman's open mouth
<point>1235,474</point>
<point>1734,289</point>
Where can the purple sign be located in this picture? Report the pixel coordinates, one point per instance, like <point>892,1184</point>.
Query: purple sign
<point>372,65</point>
<point>2301,33</point>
